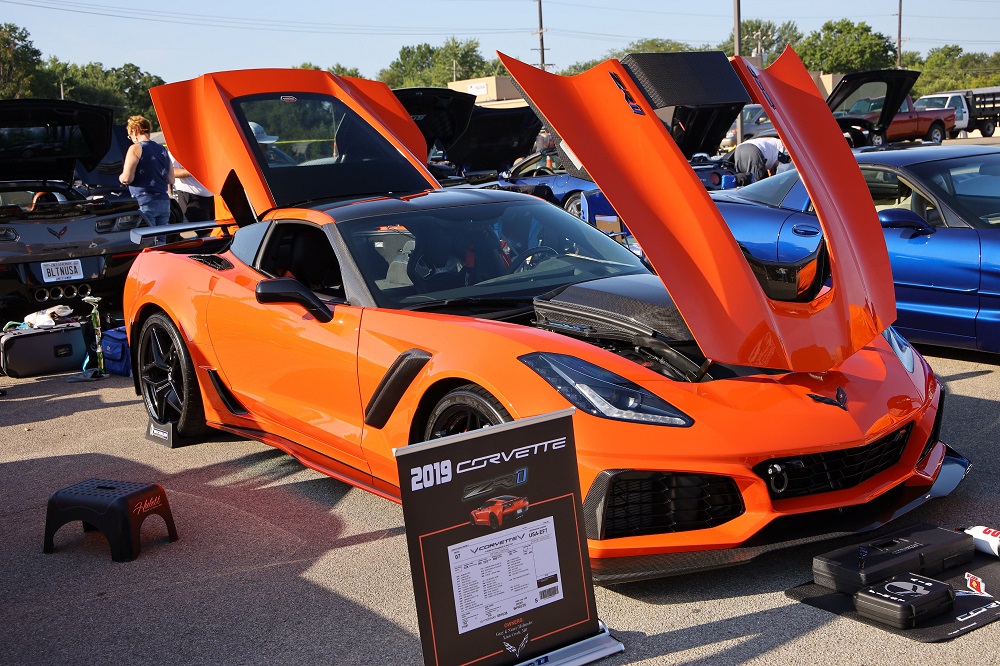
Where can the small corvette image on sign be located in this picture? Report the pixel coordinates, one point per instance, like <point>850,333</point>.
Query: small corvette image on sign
<point>499,510</point>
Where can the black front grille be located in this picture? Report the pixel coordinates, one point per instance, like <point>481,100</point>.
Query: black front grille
<point>834,470</point>
<point>632,503</point>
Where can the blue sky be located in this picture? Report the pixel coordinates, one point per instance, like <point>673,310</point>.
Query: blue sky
<point>182,39</point>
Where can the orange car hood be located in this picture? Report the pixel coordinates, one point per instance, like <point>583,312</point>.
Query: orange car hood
<point>203,132</point>
<point>615,134</point>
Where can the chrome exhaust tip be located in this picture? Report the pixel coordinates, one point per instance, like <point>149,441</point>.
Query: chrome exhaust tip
<point>69,291</point>
<point>83,290</point>
<point>56,293</point>
<point>42,295</point>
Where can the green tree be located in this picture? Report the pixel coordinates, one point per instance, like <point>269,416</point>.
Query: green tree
<point>426,65</point>
<point>19,61</point>
<point>770,37</point>
<point>647,45</point>
<point>133,85</point>
<point>342,70</point>
<point>949,67</point>
<point>840,47</point>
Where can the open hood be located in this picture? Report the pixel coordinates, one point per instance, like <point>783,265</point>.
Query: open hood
<point>606,119</point>
<point>495,138</point>
<point>109,169</point>
<point>41,139</point>
<point>442,114</point>
<point>280,137</point>
<point>891,85</point>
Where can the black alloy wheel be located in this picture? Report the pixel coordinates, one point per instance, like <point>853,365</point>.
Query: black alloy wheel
<point>466,408</point>
<point>167,378</point>
<point>494,522</point>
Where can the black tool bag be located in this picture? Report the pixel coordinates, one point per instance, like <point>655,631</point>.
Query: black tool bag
<point>905,601</point>
<point>921,549</point>
<point>30,352</point>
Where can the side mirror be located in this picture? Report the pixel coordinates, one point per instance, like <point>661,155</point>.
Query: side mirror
<point>290,290</point>
<point>902,218</point>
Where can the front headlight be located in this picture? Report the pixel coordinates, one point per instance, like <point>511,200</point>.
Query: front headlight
<point>599,392</point>
<point>904,352</point>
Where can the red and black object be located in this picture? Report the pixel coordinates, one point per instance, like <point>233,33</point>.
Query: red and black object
<point>921,549</point>
<point>905,601</point>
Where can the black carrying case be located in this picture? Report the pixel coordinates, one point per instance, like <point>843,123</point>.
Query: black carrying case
<point>921,549</point>
<point>904,601</point>
<point>30,352</point>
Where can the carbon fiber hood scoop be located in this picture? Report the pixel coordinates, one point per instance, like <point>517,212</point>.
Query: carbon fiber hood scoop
<point>621,307</point>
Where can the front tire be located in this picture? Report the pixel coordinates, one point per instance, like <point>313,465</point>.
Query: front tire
<point>494,523</point>
<point>167,377</point>
<point>573,204</point>
<point>466,408</point>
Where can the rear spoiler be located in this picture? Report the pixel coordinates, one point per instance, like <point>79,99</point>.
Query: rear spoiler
<point>139,234</point>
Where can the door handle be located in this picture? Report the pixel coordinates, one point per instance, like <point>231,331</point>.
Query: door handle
<point>805,230</point>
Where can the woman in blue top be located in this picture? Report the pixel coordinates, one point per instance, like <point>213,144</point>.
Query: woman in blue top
<point>148,172</point>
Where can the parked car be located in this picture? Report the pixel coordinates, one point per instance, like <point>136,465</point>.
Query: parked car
<point>755,119</point>
<point>977,109</point>
<point>56,245</point>
<point>360,307</point>
<point>872,108</point>
<point>496,510</point>
<point>940,213</point>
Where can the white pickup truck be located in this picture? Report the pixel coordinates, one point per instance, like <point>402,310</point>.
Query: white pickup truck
<point>974,109</point>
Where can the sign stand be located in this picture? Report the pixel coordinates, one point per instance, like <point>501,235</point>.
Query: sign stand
<point>498,554</point>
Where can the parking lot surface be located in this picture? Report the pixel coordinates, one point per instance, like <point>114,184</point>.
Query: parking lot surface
<point>279,564</point>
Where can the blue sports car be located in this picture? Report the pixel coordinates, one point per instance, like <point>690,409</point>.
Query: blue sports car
<point>940,212</point>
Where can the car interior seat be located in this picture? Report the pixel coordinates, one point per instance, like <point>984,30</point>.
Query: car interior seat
<point>314,263</point>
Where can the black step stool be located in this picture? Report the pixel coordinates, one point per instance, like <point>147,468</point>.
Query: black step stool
<point>116,508</point>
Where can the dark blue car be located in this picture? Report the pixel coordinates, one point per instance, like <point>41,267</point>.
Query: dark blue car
<point>940,213</point>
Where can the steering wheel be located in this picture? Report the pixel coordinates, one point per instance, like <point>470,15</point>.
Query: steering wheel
<point>523,261</point>
<point>542,171</point>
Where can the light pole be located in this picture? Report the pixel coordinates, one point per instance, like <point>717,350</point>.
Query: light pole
<point>736,52</point>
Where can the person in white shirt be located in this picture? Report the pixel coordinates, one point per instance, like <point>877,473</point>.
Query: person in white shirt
<point>197,202</point>
<point>759,156</point>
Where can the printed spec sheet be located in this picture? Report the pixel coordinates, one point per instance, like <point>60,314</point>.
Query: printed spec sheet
<point>504,573</point>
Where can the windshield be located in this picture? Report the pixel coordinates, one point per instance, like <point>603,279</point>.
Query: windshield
<point>771,191</point>
<point>502,250</point>
<point>750,112</point>
<point>970,185</point>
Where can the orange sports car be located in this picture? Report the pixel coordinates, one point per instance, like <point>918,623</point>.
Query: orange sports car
<point>725,406</point>
<point>496,510</point>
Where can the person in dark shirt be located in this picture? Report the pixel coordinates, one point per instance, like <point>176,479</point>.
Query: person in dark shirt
<point>148,172</point>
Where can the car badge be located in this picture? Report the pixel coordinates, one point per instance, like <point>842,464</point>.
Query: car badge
<point>628,96</point>
<point>57,234</point>
<point>289,98</point>
<point>839,401</point>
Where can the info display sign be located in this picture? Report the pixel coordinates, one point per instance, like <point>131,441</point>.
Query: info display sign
<point>501,573</point>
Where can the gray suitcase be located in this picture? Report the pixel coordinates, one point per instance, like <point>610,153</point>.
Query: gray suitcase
<point>31,352</point>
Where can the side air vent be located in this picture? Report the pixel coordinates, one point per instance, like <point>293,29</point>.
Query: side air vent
<point>213,261</point>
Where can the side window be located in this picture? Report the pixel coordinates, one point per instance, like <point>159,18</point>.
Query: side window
<point>890,191</point>
<point>303,252</point>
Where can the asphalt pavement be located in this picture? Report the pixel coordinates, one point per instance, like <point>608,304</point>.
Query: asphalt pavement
<point>278,564</point>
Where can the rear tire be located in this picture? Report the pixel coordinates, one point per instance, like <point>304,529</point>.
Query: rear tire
<point>167,378</point>
<point>878,138</point>
<point>935,134</point>
<point>469,407</point>
<point>987,127</point>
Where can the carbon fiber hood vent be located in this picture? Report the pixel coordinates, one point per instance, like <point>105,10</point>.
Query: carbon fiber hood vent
<point>623,307</point>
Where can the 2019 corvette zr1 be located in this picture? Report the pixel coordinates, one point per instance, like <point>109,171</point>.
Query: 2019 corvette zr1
<point>724,407</point>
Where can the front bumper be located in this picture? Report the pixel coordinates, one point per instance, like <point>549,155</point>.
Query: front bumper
<point>788,531</point>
